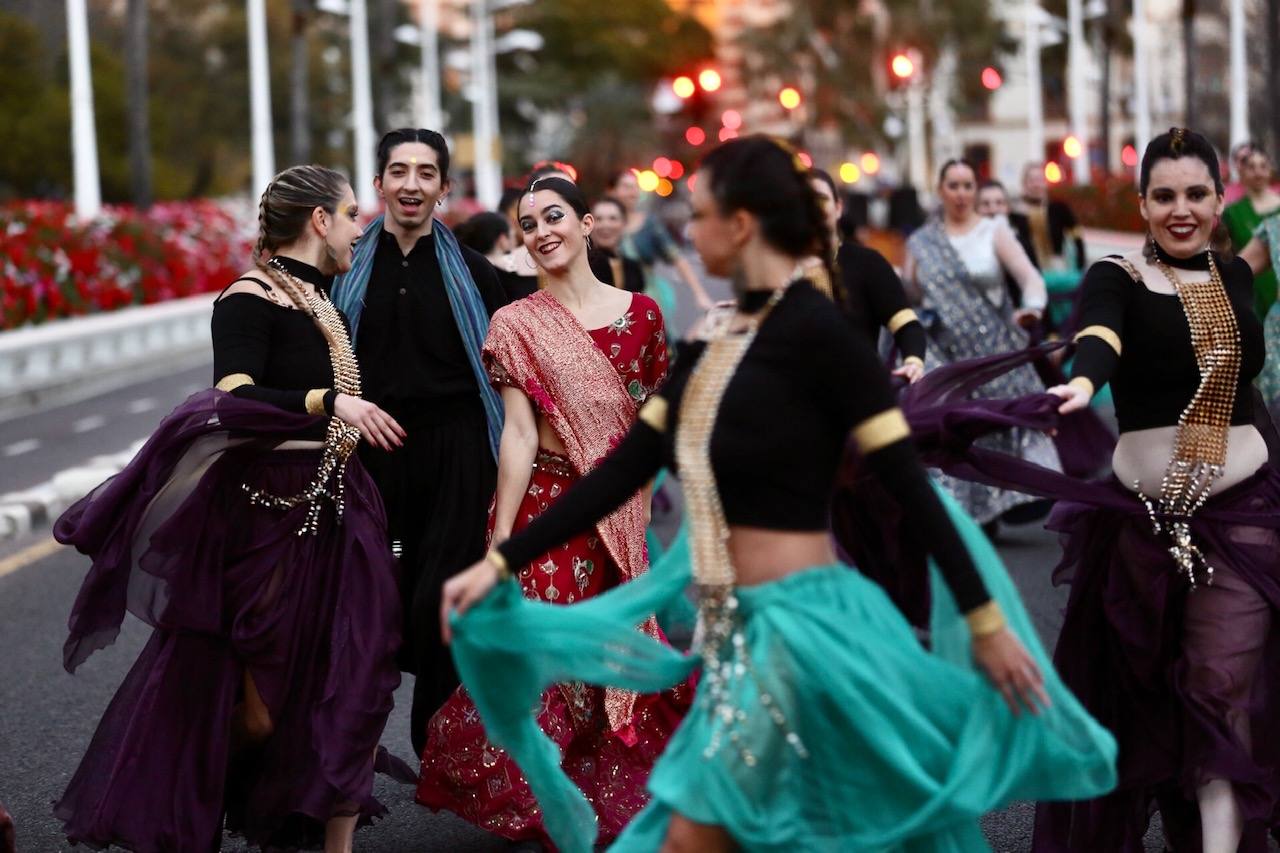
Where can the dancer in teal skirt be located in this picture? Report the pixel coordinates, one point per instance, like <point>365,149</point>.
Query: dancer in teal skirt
<point>820,722</point>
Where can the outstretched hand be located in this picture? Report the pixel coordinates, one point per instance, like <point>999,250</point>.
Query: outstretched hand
<point>1012,669</point>
<point>463,590</point>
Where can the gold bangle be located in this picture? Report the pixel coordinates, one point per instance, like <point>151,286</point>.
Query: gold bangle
<point>913,359</point>
<point>500,563</point>
<point>985,620</point>
<point>1084,383</point>
<point>315,401</point>
<point>232,381</point>
<point>900,319</point>
<point>881,430</point>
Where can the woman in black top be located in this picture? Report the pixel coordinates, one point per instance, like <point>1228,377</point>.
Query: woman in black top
<point>1169,635</point>
<point>869,289</point>
<point>808,731</point>
<point>248,535</point>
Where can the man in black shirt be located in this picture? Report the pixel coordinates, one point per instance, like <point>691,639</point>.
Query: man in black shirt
<point>419,305</point>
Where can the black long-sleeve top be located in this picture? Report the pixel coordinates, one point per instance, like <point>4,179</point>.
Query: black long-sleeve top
<point>806,382</point>
<point>269,352</point>
<point>410,350</point>
<point>1140,342</point>
<point>874,297</point>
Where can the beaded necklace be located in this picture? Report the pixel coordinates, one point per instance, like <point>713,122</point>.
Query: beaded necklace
<point>340,438</point>
<point>1200,443</point>
<point>719,636</point>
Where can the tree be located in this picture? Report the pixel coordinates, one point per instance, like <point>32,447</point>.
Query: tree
<point>596,72</point>
<point>844,50</point>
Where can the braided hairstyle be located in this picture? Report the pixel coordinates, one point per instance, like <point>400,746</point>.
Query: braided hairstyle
<point>1174,144</point>
<point>767,178</point>
<point>283,213</point>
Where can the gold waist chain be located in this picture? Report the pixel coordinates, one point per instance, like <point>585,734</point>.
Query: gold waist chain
<point>719,636</point>
<point>341,437</point>
<point>1200,443</point>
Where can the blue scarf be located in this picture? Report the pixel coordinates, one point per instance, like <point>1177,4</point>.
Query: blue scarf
<point>469,311</point>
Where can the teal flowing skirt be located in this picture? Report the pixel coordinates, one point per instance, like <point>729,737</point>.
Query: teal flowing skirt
<point>903,749</point>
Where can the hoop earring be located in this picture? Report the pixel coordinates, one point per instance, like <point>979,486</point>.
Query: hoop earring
<point>528,259</point>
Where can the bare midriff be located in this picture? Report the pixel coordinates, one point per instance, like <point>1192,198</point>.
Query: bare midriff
<point>1143,455</point>
<point>760,555</point>
<point>547,438</point>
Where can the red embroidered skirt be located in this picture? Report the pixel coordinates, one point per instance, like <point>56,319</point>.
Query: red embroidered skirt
<point>465,774</point>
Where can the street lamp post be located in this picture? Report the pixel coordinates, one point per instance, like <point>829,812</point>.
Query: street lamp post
<point>1035,98</point>
<point>1141,89</point>
<point>429,28</point>
<point>1239,94</point>
<point>84,133</point>
<point>264,160</point>
<point>362,105</point>
<point>484,108</point>
<point>1076,88</point>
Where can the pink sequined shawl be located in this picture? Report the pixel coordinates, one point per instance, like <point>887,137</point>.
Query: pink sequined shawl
<point>538,346</point>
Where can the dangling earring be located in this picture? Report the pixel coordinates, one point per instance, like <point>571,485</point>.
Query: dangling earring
<point>589,246</point>
<point>439,202</point>
<point>1149,247</point>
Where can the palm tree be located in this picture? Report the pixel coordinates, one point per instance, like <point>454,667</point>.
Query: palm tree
<point>138,102</point>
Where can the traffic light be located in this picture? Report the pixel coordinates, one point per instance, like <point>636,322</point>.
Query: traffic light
<point>902,66</point>
<point>991,79</point>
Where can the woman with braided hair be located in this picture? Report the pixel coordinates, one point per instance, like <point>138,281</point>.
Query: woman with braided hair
<point>250,538</point>
<point>819,722</point>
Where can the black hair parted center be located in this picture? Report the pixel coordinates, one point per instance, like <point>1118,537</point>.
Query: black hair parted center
<point>400,136</point>
<point>566,189</point>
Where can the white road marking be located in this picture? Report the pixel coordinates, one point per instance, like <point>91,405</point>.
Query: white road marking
<point>88,424</point>
<point>145,404</point>
<point>20,447</point>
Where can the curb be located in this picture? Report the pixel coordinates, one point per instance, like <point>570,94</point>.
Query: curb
<point>37,508</point>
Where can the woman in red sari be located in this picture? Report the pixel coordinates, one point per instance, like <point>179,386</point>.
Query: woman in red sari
<point>573,362</point>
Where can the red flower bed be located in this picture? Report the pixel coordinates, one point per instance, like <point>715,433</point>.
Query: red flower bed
<point>52,266</point>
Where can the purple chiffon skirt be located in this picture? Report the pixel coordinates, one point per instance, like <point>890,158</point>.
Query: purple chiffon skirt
<point>1187,681</point>
<point>231,589</point>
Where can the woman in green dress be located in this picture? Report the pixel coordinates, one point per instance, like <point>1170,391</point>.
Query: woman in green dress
<point>1243,217</point>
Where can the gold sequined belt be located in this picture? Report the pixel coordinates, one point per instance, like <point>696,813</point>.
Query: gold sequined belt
<point>553,463</point>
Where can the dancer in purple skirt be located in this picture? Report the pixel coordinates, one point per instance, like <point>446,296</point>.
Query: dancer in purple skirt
<point>250,538</point>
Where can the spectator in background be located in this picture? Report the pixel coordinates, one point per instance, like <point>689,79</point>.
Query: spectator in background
<point>1235,191</point>
<point>1055,233</point>
<point>993,203</point>
<point>647,241</point>
<point>611,220</point>
<point>490,234</point>
<point>1244,217</point>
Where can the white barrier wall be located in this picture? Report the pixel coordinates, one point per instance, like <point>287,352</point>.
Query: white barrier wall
<point>66,352</point>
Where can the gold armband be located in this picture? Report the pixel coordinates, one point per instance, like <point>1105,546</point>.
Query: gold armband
<point>232,381</point>
<point>1108,336</point>
<point>900,319</point>
<point>1084,383</point>
<point>500,563</point>
<point>881,430</point>
<point>654,413</point>
<point>315,401</point>
<point>913,359</point>
<point>985,620</point>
